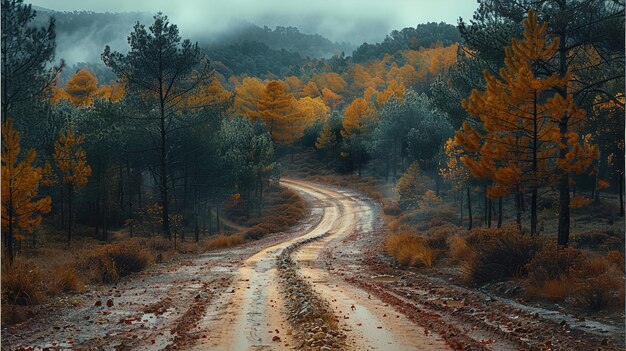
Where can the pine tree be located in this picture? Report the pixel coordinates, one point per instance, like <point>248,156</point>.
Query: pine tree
<point>326,141</point>
<point>520,140</point>
<point>21,208</point>
<point>71,160</point>
<point>81,88</point>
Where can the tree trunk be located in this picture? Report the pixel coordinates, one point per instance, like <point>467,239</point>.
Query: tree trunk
<point>533,201</point>
<point>8,236</point>
<point>217,217</point>
<point>469,208</point>
<point>196,202</point>
<point>165,216</point>
<point>489,213</point>
<point>518,208</point>
<point>564,196</point>
<point>69,220</point>
<point>461,205</point>
<point>621,194</point>
<point>210,216</point>
<point>599,173</point>
<point>485,205</point>
<point>260,195</point>
<point>130,197</point>
<point>500,212</point>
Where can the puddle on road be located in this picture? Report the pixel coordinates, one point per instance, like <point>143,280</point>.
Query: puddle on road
<point>449,303</point>
<point>151,318</point>
<point>384,278</point>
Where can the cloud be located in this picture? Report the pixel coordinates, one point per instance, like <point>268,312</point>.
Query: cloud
<point>353,21</point>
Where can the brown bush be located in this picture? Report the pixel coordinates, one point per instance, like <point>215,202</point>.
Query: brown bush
<point>410,250</point>
<point>438,236</point>
<point>598,292</point>
<point>499,253</point>
<point>393,225</point>
<point>129,257</point>
<point>551,263</point>
<point>459,250</point>
<point>66,279</point>
<point>112,261</point>
<point>392,210</point>
<point>222,241</point>
<point>22,284</point>
<point>255,233</point>
<point>616,258</point>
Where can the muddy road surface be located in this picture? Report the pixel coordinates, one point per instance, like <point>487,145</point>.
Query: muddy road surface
<point>322,285</point>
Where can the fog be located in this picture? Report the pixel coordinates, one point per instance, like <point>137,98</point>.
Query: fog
<point>351,21</point>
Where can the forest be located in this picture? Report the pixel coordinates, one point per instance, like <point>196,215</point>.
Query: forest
<point>494,149</point>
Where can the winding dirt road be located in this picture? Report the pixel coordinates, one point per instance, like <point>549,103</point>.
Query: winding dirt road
<point>239,299</point>
<point>255,314</point>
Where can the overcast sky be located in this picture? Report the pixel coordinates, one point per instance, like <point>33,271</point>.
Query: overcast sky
<point>353,21</point>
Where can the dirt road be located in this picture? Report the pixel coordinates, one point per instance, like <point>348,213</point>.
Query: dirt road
<point>244,299</point>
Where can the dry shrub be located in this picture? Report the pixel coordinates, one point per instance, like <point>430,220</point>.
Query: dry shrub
<point>598,292</point>
<point>499,253</point>
<point>591,239</point>
<point>551,263</point>
<point>394,225</point>
<point>442,216</point>
<point>22,284</point>
<point>160,244</point>
<point>129,257</point>
<point>616,259</point>
<point>553,289</point>
<point>439,236</point>
<point>392,210</point>
<point>410,250</point>
<point>66,279</point>
<point>459,250</point>
<point>222,241</point>
<point>111,262</point>
<point>558,273</point>
<point>255,233</point>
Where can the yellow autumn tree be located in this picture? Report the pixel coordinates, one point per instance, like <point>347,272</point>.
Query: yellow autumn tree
<point>357,116</point>
<point>214,95</point>
<point>81,88</point>
<point>71,160</point>
<point>519,140</point>
<point>21,207</point>
<point>276,107</point>
<point>331,99</point>
<point>247,97</point>
<point>393,89</point>
<point>326,141</point>
<point>311,89</point>
<point>113,92</point>
<point>410,187</point>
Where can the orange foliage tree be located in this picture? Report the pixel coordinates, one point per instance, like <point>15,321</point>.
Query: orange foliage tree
<point>357,119</point>
<point>21,210</point>
<point>520,140</point>
<point>247,95</point>
<point>71,161</point>
<point>81,88</point>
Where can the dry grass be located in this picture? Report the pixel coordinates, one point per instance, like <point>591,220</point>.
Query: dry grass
<point>393,225</point>
<point>410,250</point>
<point>23,284</point>
<point>221,241</point>
<point>459,250</point>
<point>110,262</point>
<point>499,253</point>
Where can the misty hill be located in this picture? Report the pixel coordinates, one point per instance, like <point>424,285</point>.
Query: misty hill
<point>82,35</point>
<point>423,35</point>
